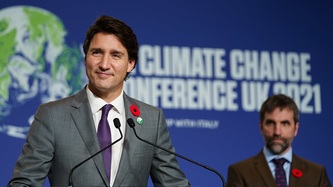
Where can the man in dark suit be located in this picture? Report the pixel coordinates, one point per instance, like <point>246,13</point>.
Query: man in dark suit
<point>64,132</point>
<point>279,123</point>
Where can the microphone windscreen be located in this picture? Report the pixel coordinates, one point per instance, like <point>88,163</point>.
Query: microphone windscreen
<point>130,122</point>
<point>116,123</point>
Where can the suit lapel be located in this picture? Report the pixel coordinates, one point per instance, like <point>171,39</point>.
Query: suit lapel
<point>261,166</point>
<point>130,142</point>
<point>295,164</point>
<point>82,118</point>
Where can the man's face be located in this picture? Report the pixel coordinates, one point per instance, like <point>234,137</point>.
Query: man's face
<point>278,130</point>
<point>107,64</point>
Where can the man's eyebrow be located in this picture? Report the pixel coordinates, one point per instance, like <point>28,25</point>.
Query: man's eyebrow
<point>113,51</point>
<point>96,49</point>
<point>285,121</point>
<point>117,52</point>
<point>269,120</point>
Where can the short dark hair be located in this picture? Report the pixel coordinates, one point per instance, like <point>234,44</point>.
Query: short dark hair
<point>279,101</point>
<point>110,25</point>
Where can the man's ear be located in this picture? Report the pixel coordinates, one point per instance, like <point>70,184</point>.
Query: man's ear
<point>260,126</point>
<point>130,66</point>
<point>296,129</point>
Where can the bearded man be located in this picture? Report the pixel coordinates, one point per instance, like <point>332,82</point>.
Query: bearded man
<point>276,164</point>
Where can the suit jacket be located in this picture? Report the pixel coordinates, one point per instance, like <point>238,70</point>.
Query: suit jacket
<point>63,134</point>
<point>254,172</point>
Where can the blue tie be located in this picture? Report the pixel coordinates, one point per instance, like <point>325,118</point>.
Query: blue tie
<point>280,175</point>
<point>104,137</point>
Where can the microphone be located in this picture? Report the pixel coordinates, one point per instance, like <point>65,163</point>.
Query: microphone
<point>132,125</point>
<point>116,123</point>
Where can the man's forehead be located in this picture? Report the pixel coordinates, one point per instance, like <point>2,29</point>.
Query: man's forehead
<point>279,110</point>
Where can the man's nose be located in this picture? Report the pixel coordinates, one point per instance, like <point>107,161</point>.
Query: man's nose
<point>105,62</point>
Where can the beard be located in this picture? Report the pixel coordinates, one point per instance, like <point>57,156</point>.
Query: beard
<point>277,147</point>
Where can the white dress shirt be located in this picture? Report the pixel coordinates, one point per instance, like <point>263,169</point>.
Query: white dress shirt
<point>117,111</point>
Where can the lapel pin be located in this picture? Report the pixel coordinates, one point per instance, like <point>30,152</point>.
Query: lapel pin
<point>135,110</point>
<point>297,173</point>
<point>139,120</point>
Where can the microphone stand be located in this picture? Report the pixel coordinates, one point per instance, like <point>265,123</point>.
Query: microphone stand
<point>70,182</point>
<point>132,125</point>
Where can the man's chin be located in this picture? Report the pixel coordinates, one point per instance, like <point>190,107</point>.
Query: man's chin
<point>276,149</point>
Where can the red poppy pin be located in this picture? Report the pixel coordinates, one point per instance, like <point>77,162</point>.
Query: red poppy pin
<point>135,110</point>
<point>297,173</point>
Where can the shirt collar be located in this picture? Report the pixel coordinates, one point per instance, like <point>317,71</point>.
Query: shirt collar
<point>270,156</point>
<point>97,103</point>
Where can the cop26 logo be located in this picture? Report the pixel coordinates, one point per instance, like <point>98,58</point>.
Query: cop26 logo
<point>36,65</point>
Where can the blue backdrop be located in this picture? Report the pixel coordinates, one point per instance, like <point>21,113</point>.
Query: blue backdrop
<point>208,64</point>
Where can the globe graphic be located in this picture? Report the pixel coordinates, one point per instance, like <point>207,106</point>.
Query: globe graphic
<point>36,65</point>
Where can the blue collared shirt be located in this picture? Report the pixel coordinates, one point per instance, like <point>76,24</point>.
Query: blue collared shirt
<point>269,157</point>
